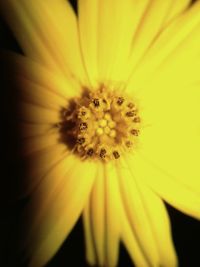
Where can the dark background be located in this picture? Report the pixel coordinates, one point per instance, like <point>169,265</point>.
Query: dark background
<point>186,231</point>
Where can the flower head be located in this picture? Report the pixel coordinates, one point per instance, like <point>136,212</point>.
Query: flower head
<point>110,119</point>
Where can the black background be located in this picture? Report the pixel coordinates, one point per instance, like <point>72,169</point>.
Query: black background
<point>186,231</point>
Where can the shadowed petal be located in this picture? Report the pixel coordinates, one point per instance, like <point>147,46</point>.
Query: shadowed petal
<point>38,143</point>
<point>39,163</point>
<point>29,69</point>
<point>47,32</point>
<point>35,114</point>
<point>62,203</point>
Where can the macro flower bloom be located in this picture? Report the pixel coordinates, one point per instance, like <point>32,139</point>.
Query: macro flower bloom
<point>110,120</point>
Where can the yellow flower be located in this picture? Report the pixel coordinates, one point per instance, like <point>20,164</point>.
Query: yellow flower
<point>111,123</point>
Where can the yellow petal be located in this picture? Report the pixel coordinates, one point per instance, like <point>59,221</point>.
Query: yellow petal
<point>171,133</point>
<point>35,94</point>
<point>47,32</point>
<point>112,207</point>
<point>150,26</point>
<point>175,50</point>
<point>98,216</point>
<point>34,71</point>
<point>87,21</point>
<point>130,241</point>
<point>177,7</point>
<point>33,130</point>
<point>38,115</point>
<point>49,187</point>
<point>137,214</point>
<point>39,163</point>
<point>89,240</point>
<point>159,221</point>
<point>168,187</point>
<point>34,144</point>
<point>117,21</point>
<point>62,212</point>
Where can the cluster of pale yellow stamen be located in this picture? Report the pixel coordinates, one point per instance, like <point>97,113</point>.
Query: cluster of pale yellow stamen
<point>105,124</point>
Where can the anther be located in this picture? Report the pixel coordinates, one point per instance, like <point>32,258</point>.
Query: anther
<point>81,140</point>
<point>90,152</point>
<point>130,114</point>
<point>135,132</point>
<point>96,102</point>
<point>102,153</point>
<point>83,126</point>
<point>120,101</point>
<point>131,105</point>
<point>116,154</point>
<point>136,119</point>
<point>128,144</point>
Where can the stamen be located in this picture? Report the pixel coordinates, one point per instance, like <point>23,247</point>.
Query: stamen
<point>130,114</point>
<point>83,126</point>
<point>120,101</point>
<point>96,102</point>
<point>90,152</point>
<point>131,105</point>
<point>136,119</point>
<point>81,140</point>
<point>102,153</point>
<point>116,154</point>
<point>128,144</point>
<point>135,132</point>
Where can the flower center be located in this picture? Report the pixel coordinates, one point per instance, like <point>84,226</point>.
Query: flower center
<point>103,124</point>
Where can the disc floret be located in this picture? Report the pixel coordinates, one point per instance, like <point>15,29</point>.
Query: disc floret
<point>105,124</point>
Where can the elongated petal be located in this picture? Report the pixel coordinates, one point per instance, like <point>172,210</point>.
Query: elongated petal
<point>168,187</point>
<point>39,163</point>
<point>159,222</point>
<point>89,239</point>
<point>171,133</point>
<point>98,216</point>
<point>34,130</point>
<point>148,29</point>
<point>87,21</point>
<point>47,32</point>
<point>57,220</point>
<point>177,7</point>
<point>34,71</point>
<point>38,143</point>
<point>167,57</point>
<point>50,185</point>
<point>112,206</point>
<point>35,94</point>
<point>117,21</point>
<point>39,115</point>
<point>137,214</point>
<point>130,241</point>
